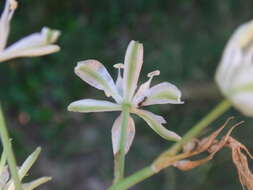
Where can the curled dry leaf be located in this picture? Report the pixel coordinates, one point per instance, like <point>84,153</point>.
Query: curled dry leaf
<point>241,162</point>
<point>192,148</point>
<point>212,145</point>
<point>188,164</point>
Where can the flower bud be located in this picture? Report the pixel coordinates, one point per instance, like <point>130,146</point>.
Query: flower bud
<point>234,75</point>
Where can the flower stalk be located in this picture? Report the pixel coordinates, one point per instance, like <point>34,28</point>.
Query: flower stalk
<point>9,152</point>
<point>134,179</point>
<point>119,157</point>
<point>161,161</point>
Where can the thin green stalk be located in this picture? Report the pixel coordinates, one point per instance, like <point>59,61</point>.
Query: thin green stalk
<point>119,158</point>
<point>9,152</point>
<point>133,179</point>
<point>153,168</point>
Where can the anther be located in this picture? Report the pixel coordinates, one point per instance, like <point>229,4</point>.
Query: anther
<point>13,4</point>
<point>153,73</point>
<point>118,66</point>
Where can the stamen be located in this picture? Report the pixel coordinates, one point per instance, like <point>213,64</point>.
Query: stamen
<point>140,96</point>
<point>119,80</point>
<point>13,5</point>
<point>9,9</point>
<point>153,73</point>
<point>119,66</point>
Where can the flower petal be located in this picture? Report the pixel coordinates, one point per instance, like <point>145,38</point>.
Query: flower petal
<point>237,54</point>
<point>132,67</point>
<point>116,134</point>
<point>29,162</point>
<point>244,79</point>
<point>26,166</point>
<point>163,93</point>
<point>243,102</point>
<point>10,6</point>
<point>36,44</point>
<point>2,161</point>
<point>155,121</point>
<point>95,74</point>
<point>35,183</point>
<point>243,35</point>
<point>91,105</point>
<point>45,50</point>
<point>230,63</point>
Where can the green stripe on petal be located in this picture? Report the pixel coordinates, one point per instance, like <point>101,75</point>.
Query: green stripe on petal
<point>163,93</point>
<point>155,121</point>
<point>244,88</point>
<point>132,67</point>
<point>95,74</point>
<point>91,105</point>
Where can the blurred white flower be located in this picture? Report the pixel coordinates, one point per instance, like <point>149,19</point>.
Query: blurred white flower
<point>6,183</point>
<point>234,75</point>
<point>123,92</point>
<point>36,44</point>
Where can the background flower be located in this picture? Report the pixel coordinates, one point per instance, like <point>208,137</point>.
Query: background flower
<point>6,183</point>
<point>36,44</point>
<point>234,75</point>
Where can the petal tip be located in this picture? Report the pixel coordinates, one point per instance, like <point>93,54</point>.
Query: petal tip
<point>71,107</point>
<point>38,149</point>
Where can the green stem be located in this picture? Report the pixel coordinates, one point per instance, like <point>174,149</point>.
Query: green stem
<point>119,158</point>
<point>133,179</point>
<point>9,152</point>
<point>193,132</point>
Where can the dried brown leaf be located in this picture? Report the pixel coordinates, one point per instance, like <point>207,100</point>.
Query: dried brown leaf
<point>241,162</point>
<point>189,164</point>
<point>212,145</point>
<point>192,148</point>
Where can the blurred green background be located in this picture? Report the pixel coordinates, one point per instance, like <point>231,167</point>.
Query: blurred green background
<point>182,38</point>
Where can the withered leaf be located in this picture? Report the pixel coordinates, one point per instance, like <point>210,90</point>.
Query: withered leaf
<point>213,145</point>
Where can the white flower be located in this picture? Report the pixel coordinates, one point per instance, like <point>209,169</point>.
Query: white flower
<point>234,75</point>
<point>6,183</point>
<point>36,44</point>
<point>123,92</point>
